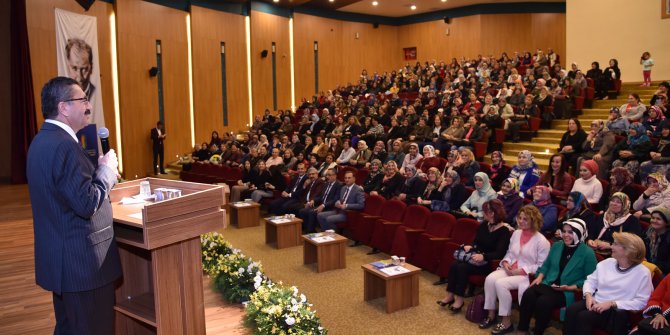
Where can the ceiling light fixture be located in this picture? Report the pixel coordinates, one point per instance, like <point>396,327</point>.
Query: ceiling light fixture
<point>412,7</point>
<point>331,0</point>
<point>375,3</point>
<point>444,0</point>
<point>275,1</point>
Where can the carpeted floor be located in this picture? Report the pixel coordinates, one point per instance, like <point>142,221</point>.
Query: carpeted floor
<point>338,295</point>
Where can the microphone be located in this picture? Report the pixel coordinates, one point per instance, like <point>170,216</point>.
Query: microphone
<point>103,133</point>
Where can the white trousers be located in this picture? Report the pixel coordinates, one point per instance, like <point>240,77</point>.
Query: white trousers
<point>498,286</point>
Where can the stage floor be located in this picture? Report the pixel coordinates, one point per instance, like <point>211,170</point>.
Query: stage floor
<point>25,308</point>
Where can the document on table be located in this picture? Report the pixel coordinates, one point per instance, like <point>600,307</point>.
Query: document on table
<point>280,221</point>
<point>131,201</point>
<point>322,239</point>
<point>394,270</point>
<point>242,204</point>
<point>137,215</point>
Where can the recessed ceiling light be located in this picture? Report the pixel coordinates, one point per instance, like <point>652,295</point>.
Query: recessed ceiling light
<point>375,3</point>
<point>412,7</point>
<point>275,1</point>
<point>331,0</point>
<point>444,0</point>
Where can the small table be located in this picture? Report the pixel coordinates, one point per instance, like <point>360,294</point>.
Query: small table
<point>401,290</point>
<point>285,232</point>
<point>245,214</point>
<point>327,251</point>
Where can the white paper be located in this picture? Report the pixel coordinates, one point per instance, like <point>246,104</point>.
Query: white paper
<point>394,270</point>
<point>322,239</point>
<point>130,201</point>
<point>242,204</point>
<point>280,221</point>
<point>144,197</point>
<point>137,215</point>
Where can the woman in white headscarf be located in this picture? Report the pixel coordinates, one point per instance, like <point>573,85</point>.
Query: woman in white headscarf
<point>483,193</point>
<point>561,275</point>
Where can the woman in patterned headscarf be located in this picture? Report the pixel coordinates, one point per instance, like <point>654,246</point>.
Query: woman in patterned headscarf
<point>553,287</point>
<point>511,198</point>
<point>542,200</point>
<point>657,239</point>
<point>657,195</point>
<point>634,149</point>
<point>599,146</point>
<point>525,171</point>
<point>578,208</point>
<point>617,218</point>
<point>620,181</point>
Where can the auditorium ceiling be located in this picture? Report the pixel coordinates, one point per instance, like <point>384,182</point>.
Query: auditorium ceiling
<point>391,8</point>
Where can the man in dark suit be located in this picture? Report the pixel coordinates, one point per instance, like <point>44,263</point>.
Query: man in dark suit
<point>351,197</point>
<point>324,202</point>
<point>291,194</point>
<point>157,137</point>
<point>76,256</point>
<point>312,187</point>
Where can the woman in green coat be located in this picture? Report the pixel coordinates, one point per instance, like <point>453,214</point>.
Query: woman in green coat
<point>563,273</point>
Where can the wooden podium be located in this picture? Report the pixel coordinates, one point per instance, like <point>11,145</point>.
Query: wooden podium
<point>159,244</point>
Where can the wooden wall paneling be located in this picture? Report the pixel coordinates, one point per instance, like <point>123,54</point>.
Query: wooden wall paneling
<point>374,50</point>
<point>41,21</point>
<point>505,33</point>
<point>327,32</point>
<point>140,24</point>
<point>209,29</point>
<point>265,29</point>
<point>549,31</point>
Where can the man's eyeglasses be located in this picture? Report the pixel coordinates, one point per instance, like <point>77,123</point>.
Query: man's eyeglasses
<point>84,100</point>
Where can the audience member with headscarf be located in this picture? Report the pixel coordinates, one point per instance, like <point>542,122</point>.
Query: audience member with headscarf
<point>617,124</point>
<point>542,200</point>
<point>558,279</point>
<point>499,171</point>
<point>412,157</point>
<point>431,191</point>
<point>429,159</point>
<point>588,183</point>
<point>452,194</point>
<point>413,186</point>
<point>374,177</point>
<point>483,193</point>
<point>511,198</point>
<point>577,208</point>
<point>621,180</point>
<point>657,195</point>
<point>606,304</point>
<point>657,239</point>
<point>599,146</point>
<point>391,182</point>
<point>617,218</point>
<point>660,156</point>
<point>525,171</point>
<point>635,149</point>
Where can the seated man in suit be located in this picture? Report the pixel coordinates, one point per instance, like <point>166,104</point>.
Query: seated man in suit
<point>291,194</point>
<point>351,197</point>
<point>312,188</point>
<point>323,202</point>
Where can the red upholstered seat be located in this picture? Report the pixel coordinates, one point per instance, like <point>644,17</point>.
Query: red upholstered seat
<point>485,167</point>
<point>392,211</point>
<point>361,174</point>
<point>343,169</point>
<point>430,243</point>
<point>405,236</point>
<point>464,233</point>
<point>355,219</point>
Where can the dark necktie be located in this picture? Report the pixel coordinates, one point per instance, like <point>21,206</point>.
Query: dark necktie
<point>297,183</point>
<point>325,195</point>
<point>346,194</point>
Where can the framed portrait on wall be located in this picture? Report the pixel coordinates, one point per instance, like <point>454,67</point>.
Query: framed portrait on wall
<point>410,53</point>
<point>665,9</point>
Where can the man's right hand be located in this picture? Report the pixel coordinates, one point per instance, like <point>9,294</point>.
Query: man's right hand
<point>110,160</point>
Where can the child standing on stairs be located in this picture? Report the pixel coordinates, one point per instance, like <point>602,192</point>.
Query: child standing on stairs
<point>647,64</point>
